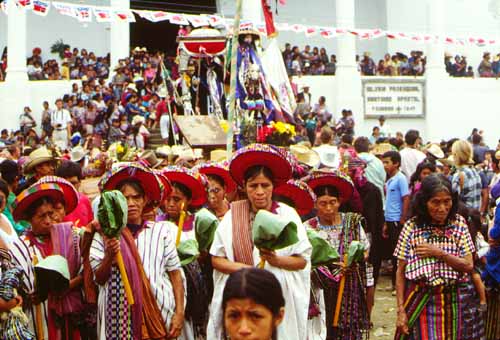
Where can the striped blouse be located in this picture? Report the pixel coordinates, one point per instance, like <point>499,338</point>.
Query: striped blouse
<point>454,239</point>
<point>156,247</point>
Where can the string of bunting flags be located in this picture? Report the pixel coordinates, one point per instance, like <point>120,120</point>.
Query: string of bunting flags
<point>87,13</point>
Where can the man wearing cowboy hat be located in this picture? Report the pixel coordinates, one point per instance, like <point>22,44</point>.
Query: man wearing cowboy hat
<point>61,123</point>
<point>41,163</point>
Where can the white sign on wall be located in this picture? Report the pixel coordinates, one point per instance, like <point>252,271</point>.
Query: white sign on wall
<point>395,98</point>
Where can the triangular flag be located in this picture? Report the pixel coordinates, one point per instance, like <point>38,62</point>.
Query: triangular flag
<point>103,14</point>
<point>41,7</point>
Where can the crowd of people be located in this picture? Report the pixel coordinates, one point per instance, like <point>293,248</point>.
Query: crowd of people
<point>320,218</point>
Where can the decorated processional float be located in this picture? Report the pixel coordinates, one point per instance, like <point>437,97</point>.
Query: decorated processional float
<point>227,74</point>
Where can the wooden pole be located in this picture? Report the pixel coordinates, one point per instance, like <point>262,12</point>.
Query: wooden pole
<point>234,77</point>
<point>340,294</point>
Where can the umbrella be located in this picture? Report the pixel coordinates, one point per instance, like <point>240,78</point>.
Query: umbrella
<point>188,251</point>
<point>112,215</point>
<point>205,224</point>
<point>273,232</point>
<point>322,252</point>
<point>51,275</point>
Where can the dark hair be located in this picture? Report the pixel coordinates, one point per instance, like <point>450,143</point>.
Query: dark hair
<point>183,189</point>
<point>4,188</point>
<point>394,156</point>
<point>69,169</point>
<point>217,179</point>
<point>326,190</point>
<point>257,170</point>
<point>421,167</point>
<point>411,137</point>
<point>9,171</point>
<point>361,144</point>
<point>258,285</point>
<point>31,209</point>
<point>135,184</point>
<point>346,138</point>
<point>476,138</point>
<point>431,185</point>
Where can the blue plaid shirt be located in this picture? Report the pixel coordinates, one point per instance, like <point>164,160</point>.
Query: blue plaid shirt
<point>470,193</point>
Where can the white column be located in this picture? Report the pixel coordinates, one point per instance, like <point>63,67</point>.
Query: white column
<point>119,35</point>
<point>251,10</point>
<point>16,43</point>
<point>435,59</point>
<point>347,77</point>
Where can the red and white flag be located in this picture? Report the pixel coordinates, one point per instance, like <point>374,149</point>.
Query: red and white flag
<point>154,16</point>
<point>83,13</point>
<point>215,21</point>
<point>311,31</point>
<point>297,28</point>
<point>327,32</point>
<point>198,20</point>
<point>262,29</point>
<point>123,15</point>
<point>103,14</point>
<point>178,19</point>
<point>41,7</point>
<point>64,9</point>
<point>27,4</point>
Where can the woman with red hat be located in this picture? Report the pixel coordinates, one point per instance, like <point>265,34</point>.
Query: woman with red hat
<point>258,169</point>
<point>341,230</point>
<point>54,316</point>
<point>220,183</point>
<point>188,193</point>
<point>151,263</point>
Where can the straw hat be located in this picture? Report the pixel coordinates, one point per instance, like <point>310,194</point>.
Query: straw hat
<point>149,157</point>
<point>132,87</point>
<point>435,150</point>
<point>37,157</point>
<point>305,155</point>
<point>218,155</point>
<point>138,120</point>
<point>380,149</point>
<point>164,151</point>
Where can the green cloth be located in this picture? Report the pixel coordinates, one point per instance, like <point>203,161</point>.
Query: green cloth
<point>355,253</point>
<point>112,212</point>
<point>322,253</point>
<point>205,224</point>
<point>273,232</point>
<point>18,227</point>
<point>188,251</point>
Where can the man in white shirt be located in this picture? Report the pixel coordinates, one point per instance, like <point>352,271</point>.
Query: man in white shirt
<point>410,156</point>
<point>61,122</point>
<point>385,129</point>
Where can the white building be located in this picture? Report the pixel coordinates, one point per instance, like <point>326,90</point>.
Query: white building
<point>452,106</point>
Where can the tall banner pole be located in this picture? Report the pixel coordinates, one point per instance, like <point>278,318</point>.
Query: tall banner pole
<point>234,76</point>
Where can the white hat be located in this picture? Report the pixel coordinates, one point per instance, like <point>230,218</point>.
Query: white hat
<point>132,87</point>
<point>138,79</point>
<point>329,155</point>
<point>138,120</point>
<point>162,92</point>
<point>77,153</point>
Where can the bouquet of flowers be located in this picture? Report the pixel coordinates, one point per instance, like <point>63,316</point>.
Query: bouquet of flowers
<point>279,134</point>
<point>122,152</point>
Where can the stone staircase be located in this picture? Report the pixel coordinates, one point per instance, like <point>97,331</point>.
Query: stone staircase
<point>154,140</point>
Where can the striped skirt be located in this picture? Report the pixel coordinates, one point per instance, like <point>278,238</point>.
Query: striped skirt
<point>443,313</point>
<point>493,315</point>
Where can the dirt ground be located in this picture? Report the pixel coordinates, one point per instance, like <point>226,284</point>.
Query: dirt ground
<point>384,311</point>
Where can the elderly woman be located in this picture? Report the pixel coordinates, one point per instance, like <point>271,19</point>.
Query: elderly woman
<point>435,261</point>
<point>155,276</point>
<point>466,180</point>
<point>220,184</point>
<point>258,169</point>
<point>59,316</point>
